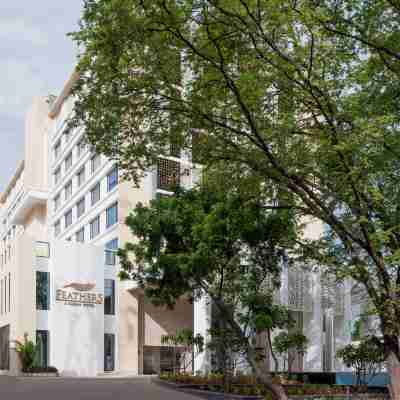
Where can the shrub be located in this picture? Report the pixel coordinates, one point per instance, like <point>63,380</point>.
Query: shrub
<point>41,370</point>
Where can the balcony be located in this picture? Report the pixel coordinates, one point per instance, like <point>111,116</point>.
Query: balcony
<point>28,200</point>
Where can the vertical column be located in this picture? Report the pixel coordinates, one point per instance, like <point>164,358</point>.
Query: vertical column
<point>202,324</point>
<point>342,326</point>
<point>313,327</point>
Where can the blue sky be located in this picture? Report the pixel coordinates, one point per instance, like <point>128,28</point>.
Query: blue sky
<point>36,58</point>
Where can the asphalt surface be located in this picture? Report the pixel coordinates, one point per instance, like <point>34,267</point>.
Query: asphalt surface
<point>86,389</point>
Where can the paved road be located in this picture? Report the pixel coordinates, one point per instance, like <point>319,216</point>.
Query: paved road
<point>86,389</point>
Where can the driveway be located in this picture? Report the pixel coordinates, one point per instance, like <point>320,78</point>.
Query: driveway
<point>86,389</point>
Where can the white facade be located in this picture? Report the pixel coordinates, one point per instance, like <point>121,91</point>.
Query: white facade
<point>63,215</point>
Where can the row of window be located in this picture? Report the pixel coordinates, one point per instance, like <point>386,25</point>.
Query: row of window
<point>43,293</point>
<point>111,219</point>
<point>63,141</point>
<point>95,163</point>
<point>5,294</point>
<point>112,182</point>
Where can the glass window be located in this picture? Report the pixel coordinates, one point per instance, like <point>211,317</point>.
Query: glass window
<point>95,194</point>
<point>95,227</point>
<point>68,161</point>
<point>68,218</point>
<point>80,207</point>
<point>57,228</point>
<point>42,290</point>
<point>42,249</point>
<point>95,162</point>
<point>57,202</point>
<point>109,297</point>
<point>109,352</point>
<point>112,179</point>
<point>57,149</point>
<point>81,176</point>
<point>112,215</point>
<point>111,251</point>
<point>42,342</point>
<point>57,175</point>
<point>80,235</point>
<point>81,147</point>
<point>67,136</point>
<point>68,190</point>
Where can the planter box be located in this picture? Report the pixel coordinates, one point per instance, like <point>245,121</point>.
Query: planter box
<point>40,374</point>
<point>207,394</point>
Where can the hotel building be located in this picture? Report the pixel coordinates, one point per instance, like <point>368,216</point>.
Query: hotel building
<point>62,219</point>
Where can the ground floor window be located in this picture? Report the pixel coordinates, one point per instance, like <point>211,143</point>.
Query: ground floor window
<point>109,352</point>
<point>42,341</point>
<point>5,347</point>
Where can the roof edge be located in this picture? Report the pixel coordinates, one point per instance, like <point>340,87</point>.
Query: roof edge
<point>56,108</point>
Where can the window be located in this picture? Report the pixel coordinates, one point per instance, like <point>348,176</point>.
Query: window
<point>68,218</point>
<point>57,202</point>
<point>68,161</point>
<point>57,228</point>
<point>67,136</point>
<point>95,194</point>
<point>112,215</point>
<point>57,175</point>
<point>95,227</point>
<point>109,297</point>
<point>42,342</point>
<point>109,352</point>
<point>57,149</point>
<point>81,176</point>
<point>81,147</point>
<point>42,290</point>
<point>111,250</point>
<point>168,174</point>
<point>68,190</point>
<point>95,162</point>
<point>80,235</point>
<point>112,179</point>
<point>80,207</point>
<point>42,249</point>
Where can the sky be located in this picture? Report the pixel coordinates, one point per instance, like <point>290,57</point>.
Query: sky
<point>36,59</point>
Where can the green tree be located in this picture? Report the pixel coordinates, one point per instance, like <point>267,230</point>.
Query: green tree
<point>302,93</point>
<point>289,345</point>
<point>366,358</point>
<point>223,246</point>
<point>189,346</point>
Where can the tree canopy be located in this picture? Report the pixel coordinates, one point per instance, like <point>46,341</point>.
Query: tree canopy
<point>203,242</point>
<point>302,93</point>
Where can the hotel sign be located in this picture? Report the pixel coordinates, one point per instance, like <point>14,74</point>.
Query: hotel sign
<point>79,294</point>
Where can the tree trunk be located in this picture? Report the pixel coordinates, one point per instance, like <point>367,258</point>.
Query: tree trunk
<point>271,350</point>
<point>394,370</point>
<point>264,377</point>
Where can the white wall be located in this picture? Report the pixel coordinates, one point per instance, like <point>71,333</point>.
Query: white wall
<point>76,332</point>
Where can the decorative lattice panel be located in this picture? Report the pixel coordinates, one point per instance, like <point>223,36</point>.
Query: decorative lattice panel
<point>299,289</point>
<point>332,294</point>
<point>168,174</point>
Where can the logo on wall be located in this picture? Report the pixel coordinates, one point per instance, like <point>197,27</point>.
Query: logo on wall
<point>79,294</point>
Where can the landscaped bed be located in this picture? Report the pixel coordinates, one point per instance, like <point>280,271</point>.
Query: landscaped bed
<point>246,387</point>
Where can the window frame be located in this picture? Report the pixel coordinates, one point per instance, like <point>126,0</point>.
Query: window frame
<point>111,222</point>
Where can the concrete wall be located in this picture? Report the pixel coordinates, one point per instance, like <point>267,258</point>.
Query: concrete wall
<point>76,331</point>
<point>159,321</point>
<point>36,145</point>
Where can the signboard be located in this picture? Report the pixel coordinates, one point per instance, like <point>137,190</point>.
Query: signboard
<point>79,294</point>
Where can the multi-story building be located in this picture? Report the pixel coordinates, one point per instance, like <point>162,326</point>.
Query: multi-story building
<point>62,218</point>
